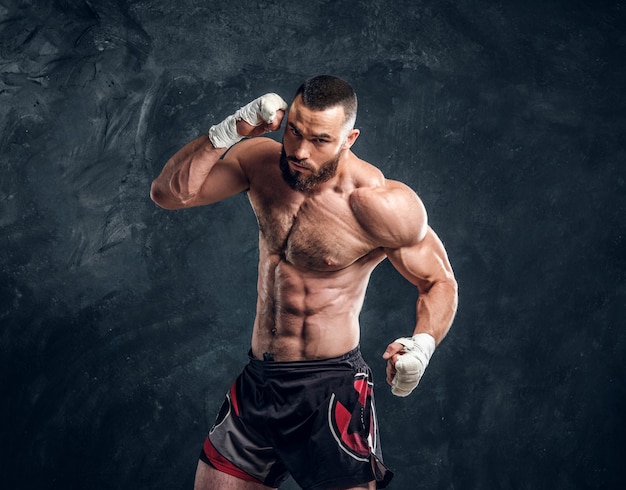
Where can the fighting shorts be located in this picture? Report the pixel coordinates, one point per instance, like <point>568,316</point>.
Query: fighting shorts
<point>312,420</point>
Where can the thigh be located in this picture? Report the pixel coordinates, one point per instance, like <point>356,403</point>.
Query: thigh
<point>208,478</point>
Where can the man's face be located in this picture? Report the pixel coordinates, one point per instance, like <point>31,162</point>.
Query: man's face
<point>312,145</point>
<point>306,180</point>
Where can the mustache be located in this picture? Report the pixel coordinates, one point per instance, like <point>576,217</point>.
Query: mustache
<point>301,163</point>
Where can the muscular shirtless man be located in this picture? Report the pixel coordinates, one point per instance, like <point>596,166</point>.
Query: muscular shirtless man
<point>303,405</point>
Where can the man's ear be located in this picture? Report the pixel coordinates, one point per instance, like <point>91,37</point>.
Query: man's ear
<point>351,138</point>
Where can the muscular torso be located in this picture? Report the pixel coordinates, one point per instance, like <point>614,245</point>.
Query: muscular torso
<point>315,260</point>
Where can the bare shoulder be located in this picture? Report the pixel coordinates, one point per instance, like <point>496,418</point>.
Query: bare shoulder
<point>391,212</point>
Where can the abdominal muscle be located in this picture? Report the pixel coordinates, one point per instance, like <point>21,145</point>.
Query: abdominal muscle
<point>306,315</point>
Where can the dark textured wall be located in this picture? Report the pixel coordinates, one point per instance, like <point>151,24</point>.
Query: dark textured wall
<point>122,325</point>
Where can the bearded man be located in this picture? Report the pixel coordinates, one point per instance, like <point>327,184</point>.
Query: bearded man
<point>303,406</point>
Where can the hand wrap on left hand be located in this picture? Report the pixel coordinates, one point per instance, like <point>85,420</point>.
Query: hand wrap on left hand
<point>411,365</point>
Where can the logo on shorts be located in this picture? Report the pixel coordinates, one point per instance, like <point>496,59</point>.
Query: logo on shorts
<point>353,427</point>
<point>230,404</point>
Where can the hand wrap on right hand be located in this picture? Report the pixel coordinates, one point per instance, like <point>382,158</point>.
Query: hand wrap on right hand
<point>257,112</point>
<point>411,365</point>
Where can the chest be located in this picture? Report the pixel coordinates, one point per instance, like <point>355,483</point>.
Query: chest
<point>318,233</point>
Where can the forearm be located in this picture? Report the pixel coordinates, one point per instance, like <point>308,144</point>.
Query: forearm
<point>185,179</point>
<point>408,358</point>
<point>184,174</point>
<point>436,308</point>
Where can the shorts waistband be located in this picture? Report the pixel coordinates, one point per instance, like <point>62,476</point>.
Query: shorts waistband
<point>268,366</point>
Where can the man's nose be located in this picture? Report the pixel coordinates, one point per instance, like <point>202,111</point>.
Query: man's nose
<point>303,150</point>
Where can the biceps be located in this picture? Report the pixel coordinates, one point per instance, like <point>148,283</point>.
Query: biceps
<point>423,263</point>
<point>225,179</point>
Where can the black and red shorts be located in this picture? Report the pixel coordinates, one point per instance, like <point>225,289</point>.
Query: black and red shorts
<point>312,420</point>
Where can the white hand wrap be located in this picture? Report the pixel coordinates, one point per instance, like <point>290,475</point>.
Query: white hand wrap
<point>257,112</point>
<point>411,365</point>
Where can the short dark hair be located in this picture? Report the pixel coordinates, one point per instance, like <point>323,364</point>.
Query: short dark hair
<point>325,91</point>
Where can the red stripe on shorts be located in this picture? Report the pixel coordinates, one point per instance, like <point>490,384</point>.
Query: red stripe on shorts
<point>233,399</point>
<point>223,465</point>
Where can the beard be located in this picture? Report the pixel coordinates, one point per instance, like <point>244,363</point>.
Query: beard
<point>305,183</point>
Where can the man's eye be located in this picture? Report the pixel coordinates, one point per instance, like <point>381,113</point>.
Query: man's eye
<point>321,141</point>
